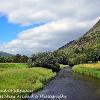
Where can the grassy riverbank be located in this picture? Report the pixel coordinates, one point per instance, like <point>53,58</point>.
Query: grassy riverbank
<point>19,76</point>
<point>88,69</point>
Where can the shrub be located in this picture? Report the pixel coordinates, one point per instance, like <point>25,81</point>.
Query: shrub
<point>47,61</point>
<point>29,63</point>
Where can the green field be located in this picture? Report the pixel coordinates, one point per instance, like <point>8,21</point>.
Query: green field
<point>88,69</point>
<point>20,77</point>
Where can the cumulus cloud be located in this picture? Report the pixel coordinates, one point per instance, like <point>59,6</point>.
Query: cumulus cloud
<point>47,37</point>
<point>67,20</point>
<point>27,11</point>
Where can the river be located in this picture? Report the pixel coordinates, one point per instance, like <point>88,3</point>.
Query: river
<point>69,86</point>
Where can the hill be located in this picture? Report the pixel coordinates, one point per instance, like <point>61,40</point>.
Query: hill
<point>92,37</point>
<point>86,48</point>
<point>5,54</point>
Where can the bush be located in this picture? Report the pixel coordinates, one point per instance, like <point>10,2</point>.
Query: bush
<point>47,61</point>
<point>29,63</point>
<point>61,57</point>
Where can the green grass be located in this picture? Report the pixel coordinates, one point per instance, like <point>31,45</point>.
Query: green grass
<point>12,65</point>
<point>19,76</point>
<point>63,66</point>
<point>88,69</point>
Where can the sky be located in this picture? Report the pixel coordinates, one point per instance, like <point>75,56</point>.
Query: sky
<point>30,26</point>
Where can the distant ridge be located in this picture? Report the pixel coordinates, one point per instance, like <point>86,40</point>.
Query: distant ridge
<point>67,45</point>
<point>5,54</point>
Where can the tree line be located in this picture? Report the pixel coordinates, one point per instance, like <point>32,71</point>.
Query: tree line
<point>52,60</point>
<point>75,56</point>
<point>14,59</point>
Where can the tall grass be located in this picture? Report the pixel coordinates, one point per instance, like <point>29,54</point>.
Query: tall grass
<point>22,78</point>
<point>88,69</point>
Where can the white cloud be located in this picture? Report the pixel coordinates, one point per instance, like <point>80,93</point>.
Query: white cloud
<point>47,37</point>
<point>67,20</point>
<point>27,11</point>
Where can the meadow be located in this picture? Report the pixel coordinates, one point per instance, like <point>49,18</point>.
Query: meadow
<point>18,80</point>
<point>88,69</point>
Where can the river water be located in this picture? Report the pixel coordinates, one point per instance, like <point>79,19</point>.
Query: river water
<point>69,86</point>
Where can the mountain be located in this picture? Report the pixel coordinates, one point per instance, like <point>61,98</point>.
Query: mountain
<point>85,49</point>
<point>5,54</point>
<point>91,38</point>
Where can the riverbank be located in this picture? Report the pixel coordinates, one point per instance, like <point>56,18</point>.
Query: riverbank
<point>17,80</point>
<point>88,69</point>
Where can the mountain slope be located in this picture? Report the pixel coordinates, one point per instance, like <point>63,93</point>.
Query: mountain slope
<point>84,49</point>
<point>91,38</point>
<point>5,54</point>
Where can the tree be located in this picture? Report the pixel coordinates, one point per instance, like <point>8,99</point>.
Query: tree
<point>24,59</point>
<point>46,60</point>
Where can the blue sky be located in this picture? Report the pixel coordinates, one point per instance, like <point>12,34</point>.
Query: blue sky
<point>9,31</point>
<point>30,26</point>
